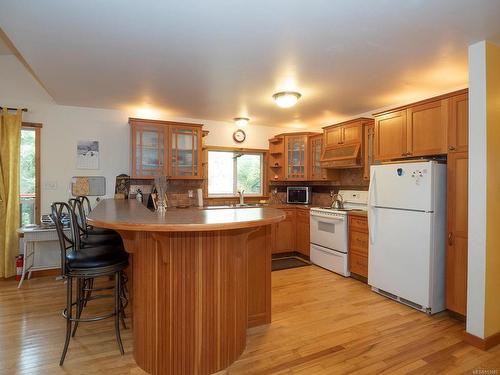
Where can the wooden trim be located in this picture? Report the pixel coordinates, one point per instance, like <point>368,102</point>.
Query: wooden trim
<point>265,167</point>
<point>36,128</point>
<point>348,122</point>
<point>241,149</point>
<point>293,134</point>
<point>425,101</point>
<point>31,125</point>
<point>133,120</point>
<point>483,344</point>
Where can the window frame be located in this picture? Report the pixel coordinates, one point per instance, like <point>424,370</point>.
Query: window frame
<point>37,127</point>
<point>249,151</point>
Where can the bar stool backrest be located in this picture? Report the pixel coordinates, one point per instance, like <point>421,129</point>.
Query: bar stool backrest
<point>68,240</point>
<point>81,218</point>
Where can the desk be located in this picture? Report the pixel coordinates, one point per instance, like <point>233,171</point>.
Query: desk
<point>31,237</point>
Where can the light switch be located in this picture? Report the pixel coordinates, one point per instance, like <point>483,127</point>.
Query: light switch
<point>50,185</point>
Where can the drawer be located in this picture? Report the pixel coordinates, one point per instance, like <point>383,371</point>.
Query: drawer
<point>358,241</point>
<point>303,215</point>
<point>358,264</point>
<point>359,223</point>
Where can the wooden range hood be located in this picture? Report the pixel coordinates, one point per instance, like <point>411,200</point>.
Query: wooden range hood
<point>344,156</point>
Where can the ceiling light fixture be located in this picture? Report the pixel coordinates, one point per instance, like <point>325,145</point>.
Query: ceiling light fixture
<point>286,99</point>
<point>241,121</point>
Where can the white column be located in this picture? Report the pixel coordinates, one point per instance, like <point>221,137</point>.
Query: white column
<point>477,190</point>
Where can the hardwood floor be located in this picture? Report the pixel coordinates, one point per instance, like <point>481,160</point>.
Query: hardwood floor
<point>322,324</point>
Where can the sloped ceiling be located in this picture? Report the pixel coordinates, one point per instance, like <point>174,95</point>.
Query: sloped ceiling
<point>220,59</point>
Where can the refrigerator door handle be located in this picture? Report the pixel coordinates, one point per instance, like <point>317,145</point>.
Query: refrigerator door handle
<point>371,206</point>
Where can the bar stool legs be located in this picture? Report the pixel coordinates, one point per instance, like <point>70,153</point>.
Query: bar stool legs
<point>118,309</point>
<point>83,288</point>
<point>69,301</point>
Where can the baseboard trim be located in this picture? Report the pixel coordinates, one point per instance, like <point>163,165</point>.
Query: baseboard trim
<point>483,344</point>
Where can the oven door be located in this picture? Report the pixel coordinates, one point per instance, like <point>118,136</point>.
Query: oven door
<point>329,232</point>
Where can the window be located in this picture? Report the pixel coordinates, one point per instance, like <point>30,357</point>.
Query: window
<point>231,171</point>
<point>29,174</point>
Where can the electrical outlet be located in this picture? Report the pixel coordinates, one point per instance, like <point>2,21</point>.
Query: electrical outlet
<point>190,193</point>
<point>50,185</point>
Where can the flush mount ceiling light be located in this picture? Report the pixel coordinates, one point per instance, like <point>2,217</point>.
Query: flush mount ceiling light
<point>286,99</point>
<point>241,121</point>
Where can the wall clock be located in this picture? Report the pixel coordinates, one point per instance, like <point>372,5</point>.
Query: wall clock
<point>239,136</point>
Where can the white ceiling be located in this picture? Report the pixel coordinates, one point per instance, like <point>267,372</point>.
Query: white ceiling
<point>220,59</point>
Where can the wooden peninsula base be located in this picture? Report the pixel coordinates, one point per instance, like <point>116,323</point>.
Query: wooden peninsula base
<point>195,292</point>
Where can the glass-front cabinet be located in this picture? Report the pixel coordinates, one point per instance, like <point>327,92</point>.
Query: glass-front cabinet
<point>316,148</point>
<point>185,151</point>
<point>165,148</point>
<point>296,157</point>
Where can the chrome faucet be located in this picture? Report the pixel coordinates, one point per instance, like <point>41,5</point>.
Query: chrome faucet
<point>337,201</point>
<point>242,197</point>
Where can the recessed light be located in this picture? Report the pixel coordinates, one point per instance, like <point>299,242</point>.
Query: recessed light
<point>286,99</point>
<point>241,121</point>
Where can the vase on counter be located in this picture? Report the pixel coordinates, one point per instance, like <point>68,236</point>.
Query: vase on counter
<point>161,185</point>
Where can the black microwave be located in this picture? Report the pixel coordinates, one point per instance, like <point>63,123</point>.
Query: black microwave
<point>298,194</point>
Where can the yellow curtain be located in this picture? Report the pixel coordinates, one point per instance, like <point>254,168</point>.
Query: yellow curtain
<point>10,143</point>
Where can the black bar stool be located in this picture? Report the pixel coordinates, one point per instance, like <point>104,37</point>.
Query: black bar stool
<point>83,264</point>
<point>86,209</point>
<point>89,236</point>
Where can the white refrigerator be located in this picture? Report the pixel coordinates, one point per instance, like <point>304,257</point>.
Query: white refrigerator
<point>407,231</point>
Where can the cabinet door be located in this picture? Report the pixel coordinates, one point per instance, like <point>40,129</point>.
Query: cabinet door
<point>316,148</point>
<point>390,135</point>
<point>303,235</point>
<point>427,128</point>
<point>185,152</point>
<point>456,254</point>
<point>333,136</point>
<point>285,233</point>
<point>148,150</point>
<point>352,133</point>
<point>458,130</point>
<point>296,157</point>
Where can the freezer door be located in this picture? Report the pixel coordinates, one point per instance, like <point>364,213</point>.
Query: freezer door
<point>404,185</point>
<point>400,252</point>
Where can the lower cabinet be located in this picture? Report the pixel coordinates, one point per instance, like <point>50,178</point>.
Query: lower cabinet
<point>285,233</point>
<point>303,232</point>
<point>358,245</point>
<point>292,234</point>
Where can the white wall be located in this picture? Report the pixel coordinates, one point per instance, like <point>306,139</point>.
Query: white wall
<point>477,190</point>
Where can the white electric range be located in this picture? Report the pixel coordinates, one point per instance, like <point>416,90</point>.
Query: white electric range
<point>330,233</point>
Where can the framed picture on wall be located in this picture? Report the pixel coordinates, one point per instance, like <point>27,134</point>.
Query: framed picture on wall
<point>87,155</point>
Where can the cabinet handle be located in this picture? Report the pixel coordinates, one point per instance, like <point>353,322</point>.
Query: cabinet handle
<point>450,239</point>
<point>451,148</point>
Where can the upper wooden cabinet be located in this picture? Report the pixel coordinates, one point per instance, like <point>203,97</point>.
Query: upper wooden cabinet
<point>290,156</point>
<point>458,129</point>
<point>427,125</point>
<point>344,133</point>
<point>390,135</point>
<point>165,148</point>
<point>421,129</point>
<point>316,148</point>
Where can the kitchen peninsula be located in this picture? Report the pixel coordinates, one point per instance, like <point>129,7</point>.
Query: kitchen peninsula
<point>200,278</point>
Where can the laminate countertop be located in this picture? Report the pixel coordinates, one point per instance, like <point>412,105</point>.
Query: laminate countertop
<point>130,215</point>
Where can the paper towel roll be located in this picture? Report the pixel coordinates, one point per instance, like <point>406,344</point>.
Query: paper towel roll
<point>200,197</point>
